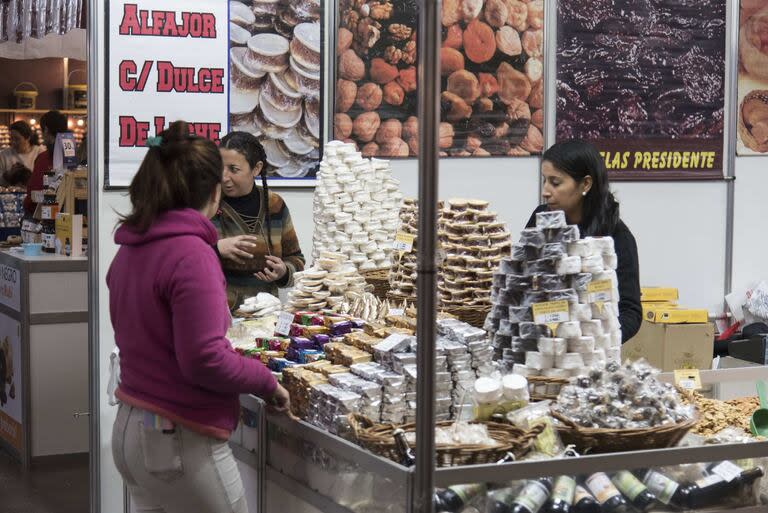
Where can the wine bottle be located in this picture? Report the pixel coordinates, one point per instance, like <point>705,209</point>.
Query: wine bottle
<point>533,496</point>
<point>634,490</point>
<point>667,490</point>
<point>723,479</point>
<point>584,502</point>
<point>563,492</point>
<point>404,451</point>
<point>500,500</point>
<point>605,492</point>
<point>455,498</point>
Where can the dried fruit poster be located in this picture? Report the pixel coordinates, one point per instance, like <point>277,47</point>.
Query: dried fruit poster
<point>753,78</point>
<point>644,81</point>
<point>275,52</point>
<point>491,77</point>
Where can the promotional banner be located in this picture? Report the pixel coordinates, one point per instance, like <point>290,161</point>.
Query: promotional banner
<point>644,81</point>
<point>491,65</point>
<point>276,52</point>
<point>165,62</point>
<point>753,78</point>
<point>11,393</point>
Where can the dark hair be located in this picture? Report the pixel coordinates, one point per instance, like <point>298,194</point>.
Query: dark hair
<point>24,130</point>
<point>249,147</point>
<point>17,176</point>
<point>180,171</point>
<point>579,159</point>
<point>54,121</point>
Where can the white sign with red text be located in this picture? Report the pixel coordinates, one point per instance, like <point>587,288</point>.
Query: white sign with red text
<point>166,61</point>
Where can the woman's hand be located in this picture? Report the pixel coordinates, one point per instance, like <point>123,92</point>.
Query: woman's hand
<point>281,403</point>
<point>236,248</point>
<point>274,271</point>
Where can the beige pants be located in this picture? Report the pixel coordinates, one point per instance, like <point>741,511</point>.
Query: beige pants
<point>177,472</point>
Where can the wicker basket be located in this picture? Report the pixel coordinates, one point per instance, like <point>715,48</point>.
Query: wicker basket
<point>474,315</point>
<point>379,278</point>
<point>596,440</point>
<point>552,386</point>
<point>378,439</point>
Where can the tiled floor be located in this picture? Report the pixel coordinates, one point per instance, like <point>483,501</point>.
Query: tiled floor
<point>59,486</point>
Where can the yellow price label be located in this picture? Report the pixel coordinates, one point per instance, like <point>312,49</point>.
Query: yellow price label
<point>688,379</point>
<point>403,242</point>
<point>551,313</point>
<point>600,291</point>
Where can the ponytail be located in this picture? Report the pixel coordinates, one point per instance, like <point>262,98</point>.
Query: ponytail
<point>249,147</point>
<point>180,170</point>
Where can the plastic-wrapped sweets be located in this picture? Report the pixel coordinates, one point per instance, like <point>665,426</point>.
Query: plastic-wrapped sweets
<point>554,250</point>
<point>525,371</point>
<point>569,329</point>
<point>491,323</point>
<point>331,402</point>
<point>580,312</point>
<point>563,295</point>
<point>548,282</point>
<point>568,265</point>
<point>581,281</point>
<point>592,327</point>
<point>541,266</point>
<point>536,360</point>
<point>530,330</point>
<point>499,312</point>
<point>583,248</point>
<point>616,339</point>
<point>604,311</point>
<point>507,297</point>
<point>400,360</point>
<point>517,282</point>
<point>510,266</point>
<point>596,358</point>
<point>533,237</point>
<point>613,355</point>
<point>610,324</point>
<point>569,361</point>
<point>501,341</point>
<point>603,245</point>
<point>511,356</point>
<point>524,345</point>
<point>520,314</point>
<point>507,327</point>
<point>554,219</point>
<point>522,252</point>
<point>603,341</point>
<point>592,264</point>
<point>581,344</point>
<point>611,261</point>
<point>500,279</point>
<point>606,275</point>
<point>533,296</point>
<point>568,234</point>
<point>554,346</point>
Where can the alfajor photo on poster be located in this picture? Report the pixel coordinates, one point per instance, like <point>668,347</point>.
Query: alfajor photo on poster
<point>275,52</point>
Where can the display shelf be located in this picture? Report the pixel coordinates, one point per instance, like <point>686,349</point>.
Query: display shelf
<point>67,112</point>
<point>275,465</point>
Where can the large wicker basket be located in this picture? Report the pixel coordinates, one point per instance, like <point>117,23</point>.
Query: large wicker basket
<point>474,315</point>
<point>378,439</point>
<point>379,278</point>
<point>596,440</point>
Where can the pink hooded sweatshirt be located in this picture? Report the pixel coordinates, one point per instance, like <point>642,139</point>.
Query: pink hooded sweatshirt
<point>169,311</point>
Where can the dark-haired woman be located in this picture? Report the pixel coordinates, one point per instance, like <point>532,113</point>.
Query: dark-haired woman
<point>257,243</point>
<point>576,182</point>
<point>22,152</point>
<point>180,379</point>
<point>52,123</point>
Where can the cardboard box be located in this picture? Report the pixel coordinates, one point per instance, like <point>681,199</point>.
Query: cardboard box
<point>672,346</point>
<point>657,294</point>
<point>674,315</point>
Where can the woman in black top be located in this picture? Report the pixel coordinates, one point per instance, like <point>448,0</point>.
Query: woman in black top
<point>575,181</point>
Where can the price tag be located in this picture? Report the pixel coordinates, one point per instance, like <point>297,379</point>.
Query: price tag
<point>551,312</point>
<point>727,470</point>
<point>600,291</point>
<point>284,321</point>
<point>403,242</point>
<point>688,379</point>
<point>397,312</point>
<point>65,151</point>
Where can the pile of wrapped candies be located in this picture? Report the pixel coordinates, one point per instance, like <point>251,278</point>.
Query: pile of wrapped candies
<point>551,263</point>
<point>325,284</point>
<point>622,397</point>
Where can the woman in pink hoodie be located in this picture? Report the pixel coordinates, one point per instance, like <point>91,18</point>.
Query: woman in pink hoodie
<point>180,378</point>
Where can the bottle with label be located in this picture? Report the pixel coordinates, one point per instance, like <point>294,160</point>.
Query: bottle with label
<point>404,451</point>
<point>563,492</point>
<point>605,492</point>
<point>49,208</point>
<point>584,502</point>
<point>532,497</point>
<point>49,178</point>
<point>67,247</point>
<point>725,478</point>
<point>455,498</point>
<point>667,490</point>
<point>634,490</point>
<point>48,234</point>
<point>500,500</point>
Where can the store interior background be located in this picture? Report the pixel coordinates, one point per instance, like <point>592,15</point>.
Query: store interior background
<point>680,228</point>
